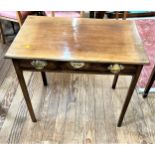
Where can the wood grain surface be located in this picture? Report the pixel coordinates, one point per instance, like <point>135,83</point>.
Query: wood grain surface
<point>78,39</point>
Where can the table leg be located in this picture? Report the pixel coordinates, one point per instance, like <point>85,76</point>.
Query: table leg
<point>129,94</point>
<point>13,27</point>
<point>115,81</point>
<point>2,33</point>
<point>117,14</point>
<point>24,89</point>
<point>149,83</point>
<point>125,15</point>
<point>100,14</point>
<point>43,74</point>
<point>91,14</point>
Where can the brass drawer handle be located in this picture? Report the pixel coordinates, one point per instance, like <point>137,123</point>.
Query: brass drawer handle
<point>116,68</point>
<point>38,64</point>
<point>77,65</point>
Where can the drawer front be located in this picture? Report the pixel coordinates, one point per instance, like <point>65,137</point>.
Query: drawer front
<point>86,67</point>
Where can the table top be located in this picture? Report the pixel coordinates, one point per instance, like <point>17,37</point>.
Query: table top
<point>78,39</point>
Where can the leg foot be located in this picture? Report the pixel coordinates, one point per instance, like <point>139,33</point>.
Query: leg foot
<point>145,95</point>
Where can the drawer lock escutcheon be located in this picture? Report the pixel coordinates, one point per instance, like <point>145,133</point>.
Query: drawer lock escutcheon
<point>77,65</point>
<point>116,68</point>
<point>38,64</point>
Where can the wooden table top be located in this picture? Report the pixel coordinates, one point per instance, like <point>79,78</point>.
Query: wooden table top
<point>78,39</point>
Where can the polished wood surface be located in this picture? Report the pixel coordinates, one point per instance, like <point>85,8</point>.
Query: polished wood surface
<point>90,40</point>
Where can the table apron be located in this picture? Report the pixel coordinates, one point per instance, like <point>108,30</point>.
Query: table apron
<point>88,68</point>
